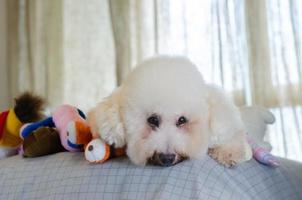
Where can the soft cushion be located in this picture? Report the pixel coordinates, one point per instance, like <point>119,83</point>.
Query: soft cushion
<point>68,176</point>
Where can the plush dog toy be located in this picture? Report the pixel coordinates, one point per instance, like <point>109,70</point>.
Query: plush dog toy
<point>28,108</point>
<point>71,125</point>
<point>256,119</point>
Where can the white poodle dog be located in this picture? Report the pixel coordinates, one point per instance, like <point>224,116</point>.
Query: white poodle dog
<point>164,112</point>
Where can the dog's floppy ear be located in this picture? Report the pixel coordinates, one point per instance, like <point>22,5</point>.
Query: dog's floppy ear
<point>105,120</point>
<point>225,120</point>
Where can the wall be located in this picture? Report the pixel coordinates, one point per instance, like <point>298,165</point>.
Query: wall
<point>3,67</point>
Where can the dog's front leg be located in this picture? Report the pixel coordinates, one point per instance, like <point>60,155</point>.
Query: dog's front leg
<point>230,153</point>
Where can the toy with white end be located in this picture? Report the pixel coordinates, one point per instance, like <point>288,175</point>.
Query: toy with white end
<point>97,151</point>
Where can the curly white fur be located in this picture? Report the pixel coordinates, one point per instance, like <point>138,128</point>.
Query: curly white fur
<point>171,87</point>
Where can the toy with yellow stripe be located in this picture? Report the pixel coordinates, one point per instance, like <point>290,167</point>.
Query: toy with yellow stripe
<point>28,108</point>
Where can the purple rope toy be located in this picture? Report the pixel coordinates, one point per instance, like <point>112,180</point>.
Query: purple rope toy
<point>262,155</point>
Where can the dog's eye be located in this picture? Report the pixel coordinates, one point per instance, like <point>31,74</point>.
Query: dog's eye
<point>181,121</point>
<point>153,121</point>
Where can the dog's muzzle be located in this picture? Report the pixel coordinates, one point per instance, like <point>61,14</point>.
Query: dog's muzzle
<point>165,160</point>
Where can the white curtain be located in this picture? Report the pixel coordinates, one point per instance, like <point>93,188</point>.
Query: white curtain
<point>76,52</point>
<point>285,37</point>
<point>35,48</point>
<point>62,50</point>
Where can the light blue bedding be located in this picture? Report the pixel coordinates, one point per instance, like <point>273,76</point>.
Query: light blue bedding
<point>69,176</point>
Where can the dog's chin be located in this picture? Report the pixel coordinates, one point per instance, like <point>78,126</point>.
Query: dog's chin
<point>165,160</point>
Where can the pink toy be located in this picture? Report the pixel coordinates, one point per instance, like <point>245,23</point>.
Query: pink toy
<point>262,155</point>
<point>74,134</point>
<point>70,123</point>
<point>73,128</point>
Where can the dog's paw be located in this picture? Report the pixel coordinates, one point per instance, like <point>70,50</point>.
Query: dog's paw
<point>115,138</point>
<point>97,151</point>
<point>223,156</point>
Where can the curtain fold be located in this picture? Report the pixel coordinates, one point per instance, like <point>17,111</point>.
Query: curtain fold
<point>59,51</point>
<point>258,52</point>
<point>134,30</point>
<point>34,48</point>
<point>120,17</point>
<point>12,47</point>
<point>88,53</point>
<point>284,30</point>
<point>3,57</point>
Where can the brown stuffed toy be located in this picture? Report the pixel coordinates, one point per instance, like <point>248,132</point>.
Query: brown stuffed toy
<point>43,141</point>
<point>28,108</point>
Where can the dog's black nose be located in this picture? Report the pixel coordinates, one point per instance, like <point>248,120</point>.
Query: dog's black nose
<point>166,159</point>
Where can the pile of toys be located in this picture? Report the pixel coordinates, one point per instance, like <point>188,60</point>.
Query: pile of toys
<point>25,130</point>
